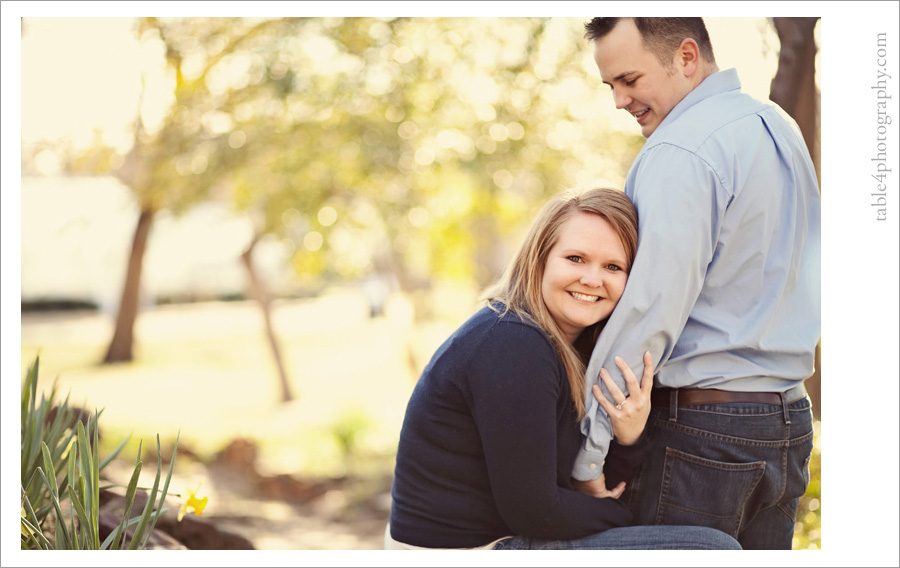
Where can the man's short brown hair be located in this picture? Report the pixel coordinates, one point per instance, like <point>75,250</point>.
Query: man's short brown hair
<point>662,36</point>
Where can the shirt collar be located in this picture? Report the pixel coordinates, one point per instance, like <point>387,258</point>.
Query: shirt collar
<point>715,84</point>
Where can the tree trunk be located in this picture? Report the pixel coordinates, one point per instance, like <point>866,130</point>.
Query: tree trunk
<point>814,384</point>
<point>794,89</point>
<point>122,343</point>
<point>258,292</point>
<point>794,86</point>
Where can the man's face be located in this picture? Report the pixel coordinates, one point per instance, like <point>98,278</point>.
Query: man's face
<point>641,85</point>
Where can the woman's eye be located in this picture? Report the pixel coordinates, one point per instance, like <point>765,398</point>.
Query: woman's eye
<point>630,82</point>
<point>574,258</point>
<point>613,267</point>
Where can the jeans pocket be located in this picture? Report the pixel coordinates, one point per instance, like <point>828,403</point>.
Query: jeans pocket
<point>700,491</point>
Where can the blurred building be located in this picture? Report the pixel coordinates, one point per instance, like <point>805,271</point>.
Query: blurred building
<point>77,233</point>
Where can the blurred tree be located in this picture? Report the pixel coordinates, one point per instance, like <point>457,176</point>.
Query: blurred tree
<point>415,148</point>
<point>180,162</point>
<point>412,149</point>
<point>794,89</point>
<point>794,86</point>
<point>50,157</point>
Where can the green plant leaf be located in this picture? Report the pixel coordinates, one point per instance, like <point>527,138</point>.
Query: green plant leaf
<point>27,484</point>
<point>37,536</point>
<point>72,472</point>
<point>86,527</point>
<point>63,540</point>
<point>32,522</point>
<point>96,483</point>
<point>32,438</point>
<point>129,503</point>
<point>73,531</point>
<point>165,489</point>
<point>107,543</point>
<point>114,453</point>
<point>50,478</point>
<point>85,464</point>
<point>29,389</point>
<point>148,508</point>
<point>63,536</point>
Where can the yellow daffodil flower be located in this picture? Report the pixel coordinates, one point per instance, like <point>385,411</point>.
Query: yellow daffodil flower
<point>193,503</point>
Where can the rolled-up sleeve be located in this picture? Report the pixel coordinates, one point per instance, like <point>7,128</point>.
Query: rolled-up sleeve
<point>680,202</point>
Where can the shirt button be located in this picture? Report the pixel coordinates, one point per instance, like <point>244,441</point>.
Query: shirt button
<point>593,466</point>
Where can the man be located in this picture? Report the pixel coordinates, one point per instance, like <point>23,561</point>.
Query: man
<point>724,291</point>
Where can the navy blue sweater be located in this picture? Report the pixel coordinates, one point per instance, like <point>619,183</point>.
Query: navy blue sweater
<point>488,443</point>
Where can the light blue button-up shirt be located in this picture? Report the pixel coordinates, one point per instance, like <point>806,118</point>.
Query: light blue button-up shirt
<point>725,287</point>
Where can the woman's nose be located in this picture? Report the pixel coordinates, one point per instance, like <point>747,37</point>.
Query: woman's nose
<point>592,278</point>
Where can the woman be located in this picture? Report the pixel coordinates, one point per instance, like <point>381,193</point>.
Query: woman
<point>491,429</point>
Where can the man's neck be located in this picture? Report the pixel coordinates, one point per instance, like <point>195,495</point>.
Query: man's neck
<point>705,70</point>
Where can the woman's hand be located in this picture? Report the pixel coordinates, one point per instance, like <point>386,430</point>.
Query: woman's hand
<point>627,414</point>
<point>597,488</point>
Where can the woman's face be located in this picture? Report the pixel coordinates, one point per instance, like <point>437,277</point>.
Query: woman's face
<point>585,273</point>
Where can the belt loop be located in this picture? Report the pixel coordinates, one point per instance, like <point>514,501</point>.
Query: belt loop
<point>784,406</point>
<point>673,405</point>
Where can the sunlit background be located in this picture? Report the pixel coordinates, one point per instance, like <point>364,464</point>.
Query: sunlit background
<point>328,198</point>
<point>382,170</point>
<point>114,75</point>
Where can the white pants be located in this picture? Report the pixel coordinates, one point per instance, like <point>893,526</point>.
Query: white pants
<point>391,544</point>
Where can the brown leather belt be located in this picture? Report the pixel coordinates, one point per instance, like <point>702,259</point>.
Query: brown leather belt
<point>661,396</point>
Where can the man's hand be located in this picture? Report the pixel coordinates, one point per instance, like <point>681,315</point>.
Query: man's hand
<point>597,488</point>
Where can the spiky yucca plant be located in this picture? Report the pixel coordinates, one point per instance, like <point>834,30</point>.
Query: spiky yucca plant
<point>61,478</point>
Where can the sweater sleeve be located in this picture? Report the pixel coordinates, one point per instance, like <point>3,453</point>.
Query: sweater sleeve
<point>516,384</point>
<point>622,462</point>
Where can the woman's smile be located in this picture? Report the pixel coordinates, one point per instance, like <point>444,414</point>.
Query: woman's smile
<point>584,297</point>
<point>588,264</point>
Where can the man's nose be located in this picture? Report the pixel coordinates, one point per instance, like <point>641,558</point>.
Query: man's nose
<point>622,98</point>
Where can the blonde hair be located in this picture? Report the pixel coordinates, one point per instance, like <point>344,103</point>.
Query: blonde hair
<point>519,289</point>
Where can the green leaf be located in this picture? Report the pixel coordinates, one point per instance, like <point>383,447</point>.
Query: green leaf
<point>96,483</point>
<point>148,508</point>
<point>115,534</point>
<point>60,434</point>
<point>71,478</point>
<point>165,489</point>
<point>63,540</point>
<point>73,531</point>
<point>129,502</point>
<point>32,449</point>
<point>85,464</point>
<point>115,452</point>
<point>37,536</point>
<point>63,537</point>
<point>27,416</point>
<point>27,485</point>
<point>32,517</point>
<point>31,382</point>
<point>50,478</point>
<point>86,527</point>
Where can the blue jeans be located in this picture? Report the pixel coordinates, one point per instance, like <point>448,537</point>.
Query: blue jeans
<point>737,467</point>
<point>632,538</point>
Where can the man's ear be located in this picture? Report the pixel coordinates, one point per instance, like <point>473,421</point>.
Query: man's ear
<point>687,57</point>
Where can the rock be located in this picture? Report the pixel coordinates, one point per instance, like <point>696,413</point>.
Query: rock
<point>170,534</point>
<point>235,467</point>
